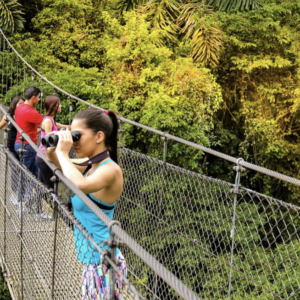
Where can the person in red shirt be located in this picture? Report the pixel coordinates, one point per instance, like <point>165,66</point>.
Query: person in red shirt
<point>28,120</point>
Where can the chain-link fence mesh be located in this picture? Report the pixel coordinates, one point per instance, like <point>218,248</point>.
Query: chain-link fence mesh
<point>38,250</point>
<point>186,221</point>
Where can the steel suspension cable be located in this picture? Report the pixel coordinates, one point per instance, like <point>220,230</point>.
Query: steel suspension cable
<point>163,134</point>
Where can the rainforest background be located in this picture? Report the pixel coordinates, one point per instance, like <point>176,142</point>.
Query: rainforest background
<point>224,75</point>
<point>220,73</point>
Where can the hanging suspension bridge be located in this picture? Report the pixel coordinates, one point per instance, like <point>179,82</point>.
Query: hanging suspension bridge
<point>184,235</point>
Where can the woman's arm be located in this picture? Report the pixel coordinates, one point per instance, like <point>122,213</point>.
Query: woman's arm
<point>60,126</point>
<point>47,126</point>
<point>88,184</point>
<point>3,122</point>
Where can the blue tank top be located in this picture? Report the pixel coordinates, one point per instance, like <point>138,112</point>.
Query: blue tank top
<point>93,225</point>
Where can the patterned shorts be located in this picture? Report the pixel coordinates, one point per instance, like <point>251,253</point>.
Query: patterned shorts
<point>95,281</point>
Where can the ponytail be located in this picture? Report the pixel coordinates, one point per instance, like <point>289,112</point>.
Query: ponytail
<point>112,140</point>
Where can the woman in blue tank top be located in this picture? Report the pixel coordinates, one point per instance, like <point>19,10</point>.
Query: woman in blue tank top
<point>103,184</point>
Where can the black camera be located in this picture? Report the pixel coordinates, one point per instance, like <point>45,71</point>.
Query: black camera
<point>52,140</point>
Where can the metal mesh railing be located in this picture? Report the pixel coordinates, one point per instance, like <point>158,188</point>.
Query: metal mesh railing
<point>34,204</point>
<point>186,221</point>
<point>37,249</point>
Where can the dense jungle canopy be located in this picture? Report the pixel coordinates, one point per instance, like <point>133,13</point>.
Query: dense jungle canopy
<point>221,73</point>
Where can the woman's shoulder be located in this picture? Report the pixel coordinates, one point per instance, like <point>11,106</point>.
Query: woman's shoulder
<point>109,167</point>
<point>47,121</point>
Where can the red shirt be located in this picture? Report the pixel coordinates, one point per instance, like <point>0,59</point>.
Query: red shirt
<point>28,119</point>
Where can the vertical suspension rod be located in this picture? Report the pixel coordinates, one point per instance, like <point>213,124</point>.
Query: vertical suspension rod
<point>24,78</point>
<point>2,89</point>
<point>238,170</point>
<point>17,75</point>
<point>11,74</point>
<point>42,94</point>
<point>7,55</point>
<point>55,215</point>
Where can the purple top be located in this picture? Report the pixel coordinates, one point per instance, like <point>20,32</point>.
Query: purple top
<point>43,133</point>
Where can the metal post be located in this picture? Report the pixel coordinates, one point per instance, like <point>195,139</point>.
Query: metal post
<point>165,140</point>
<point>121,131</point>
<point>112,242</point>
<point>112,272</point>
<point>238,170</point>
<point>55,216</point>
<point>21,154</point>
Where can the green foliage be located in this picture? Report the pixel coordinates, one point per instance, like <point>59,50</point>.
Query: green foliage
<point>258,72</point>
<point>125,5</point>
<point>224,80</point>
<point>4,293</point>
<point>227,5</point>
<point>11,15</point>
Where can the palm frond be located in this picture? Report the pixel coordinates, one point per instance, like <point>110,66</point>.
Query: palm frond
<point>11,15</point>
<point>162,14</point>
<point>206,36</point>
<point>227,5</point>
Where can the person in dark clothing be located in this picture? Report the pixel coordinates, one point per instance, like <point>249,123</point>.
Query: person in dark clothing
<point>11,137</point>
<point>12,133</point>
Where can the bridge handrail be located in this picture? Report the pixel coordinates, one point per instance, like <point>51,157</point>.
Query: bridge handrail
<point>166,135</point>
<point>154,264</point>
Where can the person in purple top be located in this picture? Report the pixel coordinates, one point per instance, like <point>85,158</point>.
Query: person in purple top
<point>52,107</point>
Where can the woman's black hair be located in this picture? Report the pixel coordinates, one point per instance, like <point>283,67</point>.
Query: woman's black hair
<point>98,120</point>
<point>13,105</point>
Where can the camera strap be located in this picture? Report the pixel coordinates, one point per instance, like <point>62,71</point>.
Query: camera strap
<point>101,156</point>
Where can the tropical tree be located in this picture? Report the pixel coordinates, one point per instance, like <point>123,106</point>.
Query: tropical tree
<point>11,15</point>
